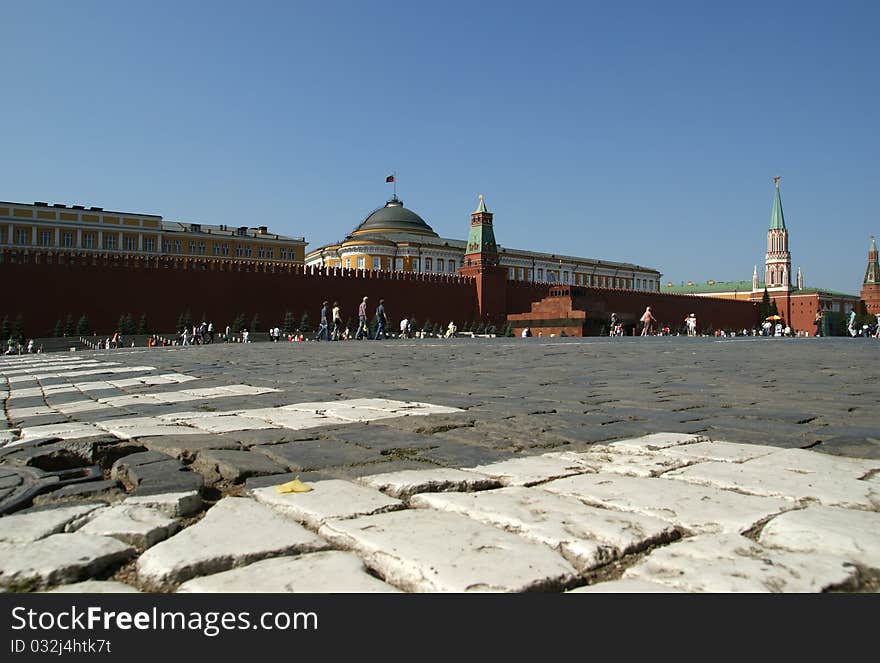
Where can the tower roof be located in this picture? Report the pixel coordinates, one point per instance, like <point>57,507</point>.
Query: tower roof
<point>872,273</point>
<point>777,220</point>
<point>481,208</point>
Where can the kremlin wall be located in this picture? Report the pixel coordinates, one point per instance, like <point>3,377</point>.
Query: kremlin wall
<point>199,275</point>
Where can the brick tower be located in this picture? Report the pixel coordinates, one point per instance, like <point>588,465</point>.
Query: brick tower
<point>481,262</point>
<point>777,262</point>
<point>871,285</point>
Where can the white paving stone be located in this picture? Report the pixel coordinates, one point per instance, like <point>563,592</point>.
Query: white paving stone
<point>23,412</point>
<point>693,507</point>
<point>59,558</point>
<point>316,573</point>
<point>70,430</point>
<point>733,563</point>
<point>95,587</point>
<point>423,550</point>
<point>93,385</point>
<point>175,505</point>
<point>532,470</point>
<point>51,389</point>
<point>234,532</point>
<point>134,427</point>
<point>586,536</point>
<point>848,533</point>
<point>27,392</point>
<point>290,418</point>
<point>343,412</point>
<point>627,464</point>
<point>139,526</point>
<point>626,586</point>
<point>761,479</point>
<point>214,422</point>
<point>330,499</point>
<point>813,462</point>
<point>26,527</point>
<point>725,452</point>
<point>75,407</point>
<point>655,442</point>
<point>406,483</point>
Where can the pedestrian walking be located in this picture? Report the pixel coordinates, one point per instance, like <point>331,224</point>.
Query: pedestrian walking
<point>648,321</point>
<point>323,329</point>
<point>363,331</point>
<point>336,335</point>
<point>381,320</point>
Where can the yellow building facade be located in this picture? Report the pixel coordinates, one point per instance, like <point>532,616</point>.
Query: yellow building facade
<point>394,238</point>
<point>41,228</point>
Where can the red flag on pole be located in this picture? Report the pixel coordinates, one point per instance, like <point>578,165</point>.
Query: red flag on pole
<point>389,179</point>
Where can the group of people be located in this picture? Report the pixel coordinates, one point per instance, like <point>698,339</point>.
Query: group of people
<point>15,347</point>
<point>331,328</point>
<point>202,334</point>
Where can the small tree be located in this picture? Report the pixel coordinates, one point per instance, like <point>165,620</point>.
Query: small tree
<point>184,321</point>
<point>5,329</point>
<point>305,325</point>
<point>143,328</point>
<point>427,326</point>
<point>59,329</point>
<point>289,323</point>
<point>128,326</point>
<point>69,327</point>
<point>120,325</point>
<point>83,328</point>
<point>18,326</point>
<point>238,323</point>
<point>255,323</point>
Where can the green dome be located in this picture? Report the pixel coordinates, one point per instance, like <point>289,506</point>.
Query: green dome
<point>394,216</point>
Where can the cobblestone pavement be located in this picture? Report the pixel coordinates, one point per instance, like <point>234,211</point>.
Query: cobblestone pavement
<point>587,465</point>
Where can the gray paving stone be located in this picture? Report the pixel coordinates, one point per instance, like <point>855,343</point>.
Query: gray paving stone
<point>691,507</point>
<point>328,500</point>
<point>586,536</point>
<point>316,454</point>
<point>87,489</point>
<point>58,558</point>
<point>733,563</point>
<point>188,446</point>
<point>234,466</point>
<point>139,526</point>
<point>433,551</point>
<point>848,533</point>
<point>27,527</point>
<point>407,483</point>
<point>321,572</point>
<point>219,542</point>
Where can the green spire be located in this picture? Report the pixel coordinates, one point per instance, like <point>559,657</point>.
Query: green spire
<point>777,221</point>
<point>872,274</point>
<point>873,248</point>
<point>482,206</point>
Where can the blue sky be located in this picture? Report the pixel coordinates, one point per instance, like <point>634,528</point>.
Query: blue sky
<point>641,132</point>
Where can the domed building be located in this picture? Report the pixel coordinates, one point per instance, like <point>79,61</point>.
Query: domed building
<point>395,238</point>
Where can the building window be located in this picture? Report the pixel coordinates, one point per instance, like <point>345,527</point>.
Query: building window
<point>45,238</point>
<point>261,252</point>
<point>270,253</point>
<point>429,264</point>
<point>149,244</point>
<point>177,247</point>
<point>283,253</point>
<point>22,237</point>
<point>192,248</point>
<point>239,251</point>
<point>88,241</point>
<point>130,243</point>
<point>377,264</point>
<point>110,242</point>
<point>398,264</point>
<point>440,265</point>
<point>565,277</point>
<point>225,249</point>
<point>216,249</point>
<point>361,262</point>
<point>248,251</point>
<point>67,240</point>
<point>540,274</point>
<point>451,266</point>
<point>417,265</point>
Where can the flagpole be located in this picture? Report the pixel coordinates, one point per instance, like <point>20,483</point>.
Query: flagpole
<point>395,184</point>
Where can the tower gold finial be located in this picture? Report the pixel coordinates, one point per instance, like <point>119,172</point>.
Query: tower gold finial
<point>776,180</point>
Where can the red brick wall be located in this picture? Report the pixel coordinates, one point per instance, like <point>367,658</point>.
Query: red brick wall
<point>43,293</point>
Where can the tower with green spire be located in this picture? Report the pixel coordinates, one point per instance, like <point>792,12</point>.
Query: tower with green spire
<point>777,262</point>
<point>871,285</point>
<point>481,263</point>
